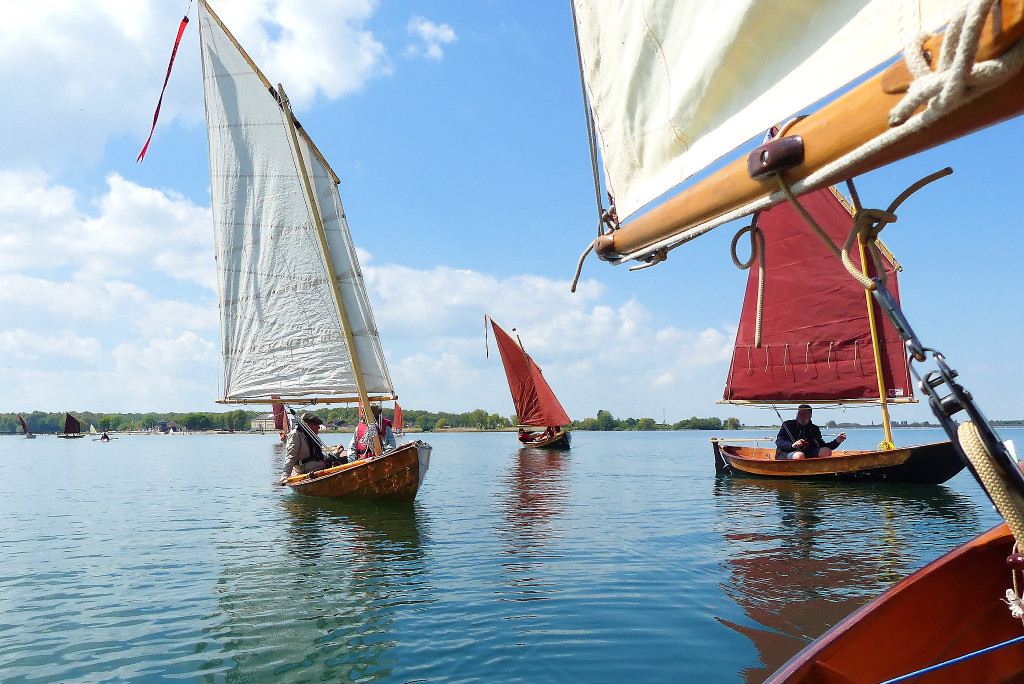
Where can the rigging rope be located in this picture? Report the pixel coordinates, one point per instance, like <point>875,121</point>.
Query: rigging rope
<point>756,251</point>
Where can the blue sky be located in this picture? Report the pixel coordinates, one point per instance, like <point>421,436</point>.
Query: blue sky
<point>457,130</point>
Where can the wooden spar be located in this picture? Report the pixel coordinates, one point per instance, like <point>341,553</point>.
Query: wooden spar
<point>302,401</point>
<point>252,64</point>
<point>888,444</point>
<point>321,234</point>
<point>835,130</point>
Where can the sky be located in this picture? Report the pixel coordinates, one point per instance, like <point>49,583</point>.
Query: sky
<point>457,130</point>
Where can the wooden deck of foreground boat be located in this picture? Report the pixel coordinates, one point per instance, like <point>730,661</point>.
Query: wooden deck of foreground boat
<point>394,476</point>
<point>924,464</point>
<point>951,607</point>
<point>559,440</point>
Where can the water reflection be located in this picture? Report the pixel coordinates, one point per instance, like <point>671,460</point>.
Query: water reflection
<point>322,604</point>
<point>804,555</point>
<point>533,496</point>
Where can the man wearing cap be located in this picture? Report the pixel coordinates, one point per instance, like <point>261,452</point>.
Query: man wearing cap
<point>801,438</point>
<point>305,454</point>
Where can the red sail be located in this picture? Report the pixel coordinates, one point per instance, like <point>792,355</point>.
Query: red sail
<point>399,423</point>
<point>815,333</point>
<point>280,415</point>
<point>534,401</point>
<point>24,425</point>
<point>71,425</point>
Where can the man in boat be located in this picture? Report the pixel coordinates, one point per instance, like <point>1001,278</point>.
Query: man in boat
<point>800,438</point>
<point>359,446</point>
<point>305,454</point>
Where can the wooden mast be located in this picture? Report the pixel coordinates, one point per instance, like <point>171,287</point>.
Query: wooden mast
<point>321,234</point>
<point>876,346</point>
<point>835,130</point>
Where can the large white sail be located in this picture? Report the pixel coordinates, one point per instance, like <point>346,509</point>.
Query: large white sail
<point>676,84</point>
<point>280,329</point>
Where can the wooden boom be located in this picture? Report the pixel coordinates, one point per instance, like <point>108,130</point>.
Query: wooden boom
<point>835,130</point>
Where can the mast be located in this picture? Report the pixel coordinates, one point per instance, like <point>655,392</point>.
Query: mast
<point>321,234</point>
<point>876,347</point>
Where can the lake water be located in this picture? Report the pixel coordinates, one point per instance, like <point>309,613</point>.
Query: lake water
<point>155,558</point>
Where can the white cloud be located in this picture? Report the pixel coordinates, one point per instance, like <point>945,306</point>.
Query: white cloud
<point>26,345</point>
<point>82,72</point>
<point>430,38</point>
<point>594,355</point>
<point>136,230</point>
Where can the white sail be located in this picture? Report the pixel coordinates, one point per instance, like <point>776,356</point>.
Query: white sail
<point>676,84</point>
<point>280,329</point>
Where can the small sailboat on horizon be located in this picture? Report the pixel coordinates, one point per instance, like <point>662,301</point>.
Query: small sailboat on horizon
<point>24,426</point>
<point>536,405</point>
<point>296,322</point>
<point>72,428</point>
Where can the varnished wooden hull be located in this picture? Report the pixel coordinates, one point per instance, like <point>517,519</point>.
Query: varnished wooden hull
<point>394,476</point>
<point>924,464</point>
<point>559,440</point>
<point>949,608</point>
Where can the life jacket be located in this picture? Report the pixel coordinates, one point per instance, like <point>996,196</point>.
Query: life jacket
<point>362,441</point>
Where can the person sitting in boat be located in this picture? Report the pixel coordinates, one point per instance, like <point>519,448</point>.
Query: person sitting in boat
<point>359,446</point>
<point>800,438</point>
<point>304,453</point>
<point>105,437</point>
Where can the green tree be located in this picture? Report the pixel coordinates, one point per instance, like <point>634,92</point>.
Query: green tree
<point>646,424</point>
<point>605,421</point>
<point>441,423</point>
<point>733,424</point>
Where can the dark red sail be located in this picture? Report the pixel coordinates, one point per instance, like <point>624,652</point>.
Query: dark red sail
<point>71,425</point>
<point>535,403</point>
<point>280,415</point>
<point>24,425</point>
<point>815,333</point>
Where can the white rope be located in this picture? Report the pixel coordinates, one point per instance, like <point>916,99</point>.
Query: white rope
<point>1008,501</point>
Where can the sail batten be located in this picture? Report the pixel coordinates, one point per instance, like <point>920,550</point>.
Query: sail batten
<point>816,344</point>
<point>536,405</point>
<point>281,331</point>
<point>675,86</point>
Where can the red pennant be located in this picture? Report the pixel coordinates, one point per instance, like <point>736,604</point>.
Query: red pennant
<point>156,114</point>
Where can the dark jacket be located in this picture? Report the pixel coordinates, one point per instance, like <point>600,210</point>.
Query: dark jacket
<point>792,431</point>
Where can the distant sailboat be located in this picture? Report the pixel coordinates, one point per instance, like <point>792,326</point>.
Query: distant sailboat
<point>807,334</point>
<point>24,426</point>
<point>296,323</point>
<point>536,405</point>
<point>281,419</point>
<point>398,426</point>
<point>72,428</point>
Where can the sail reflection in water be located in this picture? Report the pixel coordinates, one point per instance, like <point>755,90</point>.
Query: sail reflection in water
<point>535,494</point>
<point>799,562</point>
<point>329,595</point>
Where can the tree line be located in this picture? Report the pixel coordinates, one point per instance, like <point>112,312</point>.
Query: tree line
<point>42,423</point>
<point>605,421</point>
<point>240,420</point>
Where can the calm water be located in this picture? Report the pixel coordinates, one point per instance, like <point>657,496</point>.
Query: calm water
<point>175,557</point>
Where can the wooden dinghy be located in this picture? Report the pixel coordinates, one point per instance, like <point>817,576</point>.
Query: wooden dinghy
<point>559,440</point>
<point>953,607</point>
<point>924,464</point>
<point>394,476</point>
<point>535,402</point>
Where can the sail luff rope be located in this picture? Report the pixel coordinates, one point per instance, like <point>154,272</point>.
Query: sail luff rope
<point>980,79</point>
<point>756,250</point>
